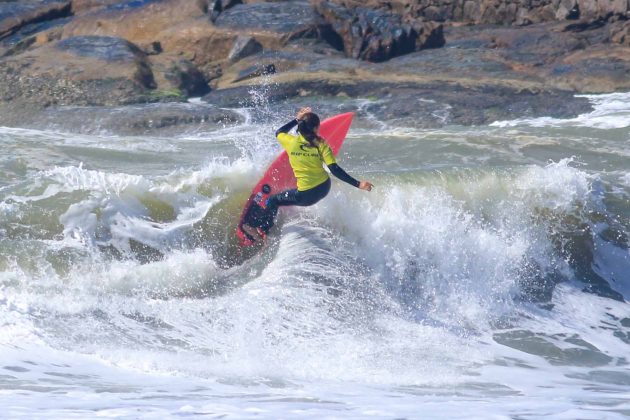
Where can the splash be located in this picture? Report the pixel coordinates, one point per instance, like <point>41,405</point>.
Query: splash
<point>610,111</point>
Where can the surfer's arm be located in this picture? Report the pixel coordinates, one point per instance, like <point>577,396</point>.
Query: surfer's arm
<point>343,175</point>
<point>287,127</point>
<point>327,155</point>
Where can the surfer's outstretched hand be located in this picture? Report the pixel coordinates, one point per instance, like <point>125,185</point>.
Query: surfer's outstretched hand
<point>364,185</point>
<point>302,112</point>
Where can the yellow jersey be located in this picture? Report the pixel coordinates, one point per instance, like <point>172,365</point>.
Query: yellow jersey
<point>306,160</point>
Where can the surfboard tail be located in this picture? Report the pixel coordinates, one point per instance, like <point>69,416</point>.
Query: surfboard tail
<point>243,238</point>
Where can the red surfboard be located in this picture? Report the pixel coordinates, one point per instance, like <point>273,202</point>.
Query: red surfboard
<point>279,176</point>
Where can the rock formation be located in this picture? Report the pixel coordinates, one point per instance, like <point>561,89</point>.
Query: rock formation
<point>112,52</point>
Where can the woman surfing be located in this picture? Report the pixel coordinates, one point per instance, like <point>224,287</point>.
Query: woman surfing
<point>307,152</point>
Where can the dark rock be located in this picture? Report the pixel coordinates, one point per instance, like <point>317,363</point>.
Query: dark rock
<point>24,37</point>
<point>280,17</point>
<point>181,28</point>
<point>244,46</point>
<point>15,15</point>
<point>142,119</point>
<point>588,9</point>
<point>472,11</point>
<point>251,96</point>
<point>412,105</point>
<point>457,63</point>
<point>606,72</point>
<point>535,45</point>
<point>502,12</point>
<point>187,78</point>
<point>568,9</point>
<point>83,6</point>
<point>126,5</point>
<point>585,25</point>
<point>152,48</point>
<point>377,36</point>
<point>212,72</point>
<point>180,51</point>
<point>216,7</point>
<point>106,48</point>
<point>620,33</point>
<point>19,47</point>
<point>95,71</point>
<point>297,56</point>
<point>255,71</point>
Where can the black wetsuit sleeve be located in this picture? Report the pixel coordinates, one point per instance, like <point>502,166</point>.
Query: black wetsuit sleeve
<point>343,175</point>
<point>287,127</point>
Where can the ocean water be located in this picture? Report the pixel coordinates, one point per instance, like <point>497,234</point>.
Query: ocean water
<point>486,276</point>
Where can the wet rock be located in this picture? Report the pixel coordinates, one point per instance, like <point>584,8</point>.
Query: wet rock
<point>568,9</point>
<point>32,34</point>
<point>255,71</point>
<point>595,9</point>
<point>216,7</point>
<point>181,27</point>
<point>142,119</point>
<point>575,56</point>
<point>84,6</point>
<point>251,96</point>
<point>15,15</point>
<point>180,76</point>
<point>244,46</point>
<point>427,105</point>
<point>174,49</point>
<point>299,55</point>
<point>174,76</point>
<point>152,48</point>
<point>139,21</point>
<point>278,17</point>
<point>211,73</point>
<point>620,33</point>
<point>431,106</point>
<point>128,5</point>
<point>377,36</point>
<point>106,48</point>
<point>503,12</point>
<point>96,70</point>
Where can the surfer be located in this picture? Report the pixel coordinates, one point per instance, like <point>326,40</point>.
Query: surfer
<point>307,153</point>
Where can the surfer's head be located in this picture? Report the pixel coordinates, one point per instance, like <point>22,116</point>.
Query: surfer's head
<point>308,127</point>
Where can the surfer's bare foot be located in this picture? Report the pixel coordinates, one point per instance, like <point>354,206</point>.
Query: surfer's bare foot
<point>253,232</point>
<point>249,230</point>
<point>262,234</point>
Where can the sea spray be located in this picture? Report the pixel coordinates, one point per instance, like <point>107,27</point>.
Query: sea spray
<point>454,288</point>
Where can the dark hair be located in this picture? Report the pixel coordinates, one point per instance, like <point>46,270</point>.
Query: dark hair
<point>307,126</point>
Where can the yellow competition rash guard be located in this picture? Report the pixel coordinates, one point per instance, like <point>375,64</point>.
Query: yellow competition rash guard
<point>306,161</point>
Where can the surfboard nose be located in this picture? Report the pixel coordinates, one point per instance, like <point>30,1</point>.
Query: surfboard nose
<point>334,127</point>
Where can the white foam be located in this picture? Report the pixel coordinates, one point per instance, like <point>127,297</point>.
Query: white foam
<point>460,246</point>
<point>104,141</point>
<point>377,304</point>
<point>610,111</point>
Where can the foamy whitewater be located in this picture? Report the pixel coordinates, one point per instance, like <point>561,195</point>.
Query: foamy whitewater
<point>484,277</point>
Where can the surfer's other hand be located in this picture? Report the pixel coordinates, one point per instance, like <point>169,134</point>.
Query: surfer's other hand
<point>302,112</point>
<point>364,185</point>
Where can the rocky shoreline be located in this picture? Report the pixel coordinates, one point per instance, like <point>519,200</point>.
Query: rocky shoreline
<point>426,62</point>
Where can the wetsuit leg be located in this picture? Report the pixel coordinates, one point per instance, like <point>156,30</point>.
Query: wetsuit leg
<point>293,198</point>
<point>299,198</point>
